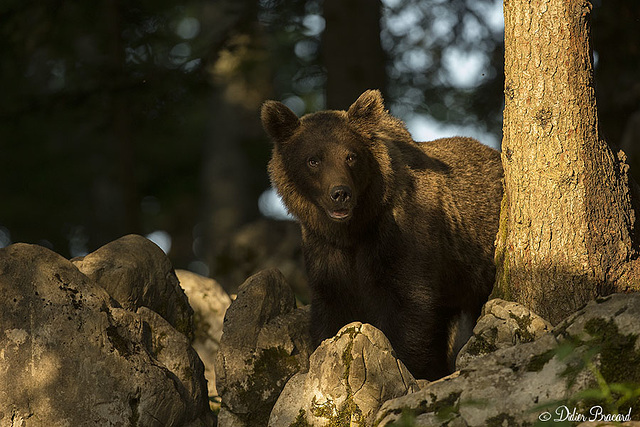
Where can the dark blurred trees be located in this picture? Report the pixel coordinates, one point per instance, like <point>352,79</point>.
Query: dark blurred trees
<point>616,42</point>
<point>138,116</point>
<point>101,110</point>
<point>351,51</point>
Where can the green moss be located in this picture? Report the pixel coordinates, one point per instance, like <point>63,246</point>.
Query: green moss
<point>523,327</point>
<point>301,420</point>
<point>352,331</point>
<point>502,287</point>
<point>407,419</point>
<point>443,408</point>
<point>446,410</point>
<point>272,368</point>
<point>348,414</point>
<point>323,410</point>
<point>501,420</point>
<point>537,361</point>
<point>272,363</point>
<point>479,345</point>
<point>619,362</point>
<point>347,358</point>
<point>611,359</point>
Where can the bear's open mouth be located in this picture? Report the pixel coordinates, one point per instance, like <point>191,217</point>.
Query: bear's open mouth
<point>339,214</point>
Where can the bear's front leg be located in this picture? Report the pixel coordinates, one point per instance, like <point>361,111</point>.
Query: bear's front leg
<point>327,317</point>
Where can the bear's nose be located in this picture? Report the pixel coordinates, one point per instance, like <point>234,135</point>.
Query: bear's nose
<point>340,193</point>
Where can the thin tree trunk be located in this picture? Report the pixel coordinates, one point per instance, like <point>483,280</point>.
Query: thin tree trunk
<point>567,220</point>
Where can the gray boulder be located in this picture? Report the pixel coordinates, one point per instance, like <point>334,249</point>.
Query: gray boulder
<point>265,341</point>
<point>136,273</point>
<point>502,324</point>
<point>570,367</point>
<point>350,376</point>
<point>173,350</point>
<point>209,302</point>
<point>71,356</point>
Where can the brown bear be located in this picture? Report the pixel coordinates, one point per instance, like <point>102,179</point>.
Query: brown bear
<point>396,233</point>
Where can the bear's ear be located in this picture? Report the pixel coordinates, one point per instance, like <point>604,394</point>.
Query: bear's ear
<point>278,120</point>
<point>368,108</point>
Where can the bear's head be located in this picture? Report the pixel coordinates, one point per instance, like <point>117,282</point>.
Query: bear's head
<point>333,167</point>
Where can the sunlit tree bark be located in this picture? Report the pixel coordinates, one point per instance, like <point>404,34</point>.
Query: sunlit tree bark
<point>567,222</point>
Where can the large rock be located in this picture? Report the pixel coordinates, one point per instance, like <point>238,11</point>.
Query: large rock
<point>209,302</point>
<point>69,356</point>
<point>502,324</point>
<point>528,382</point>
<point>173,350</point>
<point>350,376</point>
<point>265,341</point>
<point>136,273</point>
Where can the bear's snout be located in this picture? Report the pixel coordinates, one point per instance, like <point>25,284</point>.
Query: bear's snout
<point>340,194</point>
<point>342,200</point>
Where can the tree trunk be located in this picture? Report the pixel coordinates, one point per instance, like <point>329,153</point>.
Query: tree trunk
<point>351,50</point>
<point>567,221</point>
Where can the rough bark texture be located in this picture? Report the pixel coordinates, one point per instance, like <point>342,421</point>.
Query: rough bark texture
<point>567,222</point>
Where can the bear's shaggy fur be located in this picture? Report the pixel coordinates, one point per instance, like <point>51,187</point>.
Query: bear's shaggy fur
<point>396,233</point>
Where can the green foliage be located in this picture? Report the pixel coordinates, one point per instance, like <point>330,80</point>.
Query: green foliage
<point>611,360</point>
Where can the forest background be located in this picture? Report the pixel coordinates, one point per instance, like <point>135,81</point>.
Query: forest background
<point>142,116</point>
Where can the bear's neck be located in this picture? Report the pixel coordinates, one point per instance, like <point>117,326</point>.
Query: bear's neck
<point>352,233</point>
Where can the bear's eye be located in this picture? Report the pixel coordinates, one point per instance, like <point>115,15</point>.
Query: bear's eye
<point>351,158</point>
<point>313,162</point>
